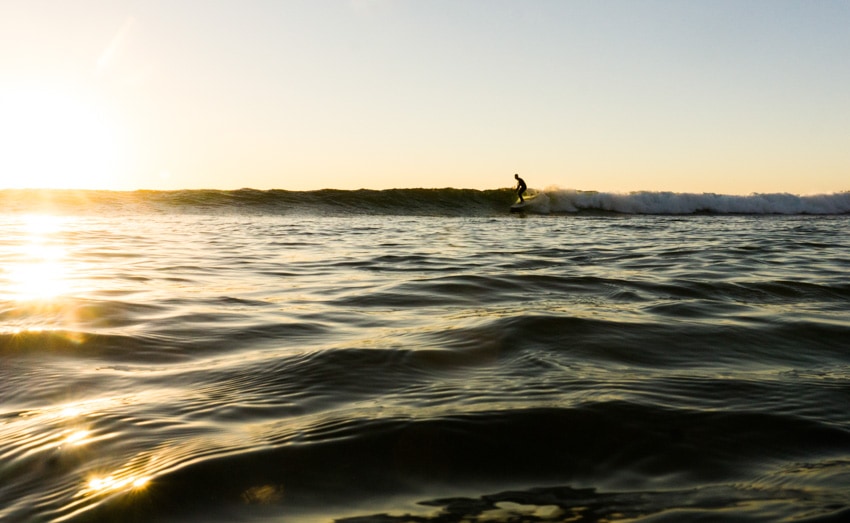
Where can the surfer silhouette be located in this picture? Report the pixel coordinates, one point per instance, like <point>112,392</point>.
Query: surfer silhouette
<point>520,187</point>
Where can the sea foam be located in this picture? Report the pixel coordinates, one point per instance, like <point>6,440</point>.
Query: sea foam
<point>558,200</point>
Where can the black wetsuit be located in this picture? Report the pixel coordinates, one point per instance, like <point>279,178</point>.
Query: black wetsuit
<point>520,188</point>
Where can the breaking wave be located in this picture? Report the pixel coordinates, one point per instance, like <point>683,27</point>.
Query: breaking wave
<point>422,202</point>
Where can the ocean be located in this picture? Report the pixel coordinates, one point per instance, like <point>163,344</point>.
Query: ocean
<point>423,355</point>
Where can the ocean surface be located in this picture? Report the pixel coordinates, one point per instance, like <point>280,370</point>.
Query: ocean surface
<point>423,356</point>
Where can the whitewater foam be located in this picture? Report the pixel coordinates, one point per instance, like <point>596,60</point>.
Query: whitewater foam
<point>650,202</point>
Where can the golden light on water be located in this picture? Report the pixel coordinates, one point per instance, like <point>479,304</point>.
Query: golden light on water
<point>42,280</point>
<point>111,483</point>
<point>77,437</point>
<point>71,411</point>
<point>132,476</point>
<point>41,224</point>
<point>38,269</point>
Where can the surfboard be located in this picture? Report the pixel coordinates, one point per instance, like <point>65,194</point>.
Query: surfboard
<point>520,206</point>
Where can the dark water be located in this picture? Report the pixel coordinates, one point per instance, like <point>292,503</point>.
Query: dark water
<point>214,364</point>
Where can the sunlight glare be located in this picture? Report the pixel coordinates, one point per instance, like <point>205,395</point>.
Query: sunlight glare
<point>42,224</point>
<point>76,438</point>
<point>71,411</point>
<point>52,140</point>
<point>40,270</point>
<point>111,483</point>
<point>43,280</point>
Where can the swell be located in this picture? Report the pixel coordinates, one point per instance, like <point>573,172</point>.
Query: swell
<point>635,330</point>
<point>521,399</point>
<point>753,503</point>
<point>640,353</point>
<point>611,445</point>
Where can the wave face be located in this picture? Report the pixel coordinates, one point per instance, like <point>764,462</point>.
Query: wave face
<point>421,202</point>
<point>184,367</point>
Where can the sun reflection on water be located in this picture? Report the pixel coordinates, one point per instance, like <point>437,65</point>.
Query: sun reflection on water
<point>41,280</point>
<point>38,268</point>
<point>76,438</point>
<point>41,224</point>
<point>111,483</point>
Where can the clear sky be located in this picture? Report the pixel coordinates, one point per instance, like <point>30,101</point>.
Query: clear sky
<point>725,96</point>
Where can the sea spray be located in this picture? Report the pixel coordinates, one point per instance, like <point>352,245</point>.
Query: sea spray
<point>650,202</point>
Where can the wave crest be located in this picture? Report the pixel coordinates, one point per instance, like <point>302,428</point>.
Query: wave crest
<point>650,202</point>
<point>420,202</point>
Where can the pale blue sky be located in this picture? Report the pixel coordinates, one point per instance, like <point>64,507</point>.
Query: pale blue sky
<point>714,96</point>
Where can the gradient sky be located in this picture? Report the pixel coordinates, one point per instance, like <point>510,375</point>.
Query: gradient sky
<point>725,96</point>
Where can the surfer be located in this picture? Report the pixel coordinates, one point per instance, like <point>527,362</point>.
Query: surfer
<point>520,187</point>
